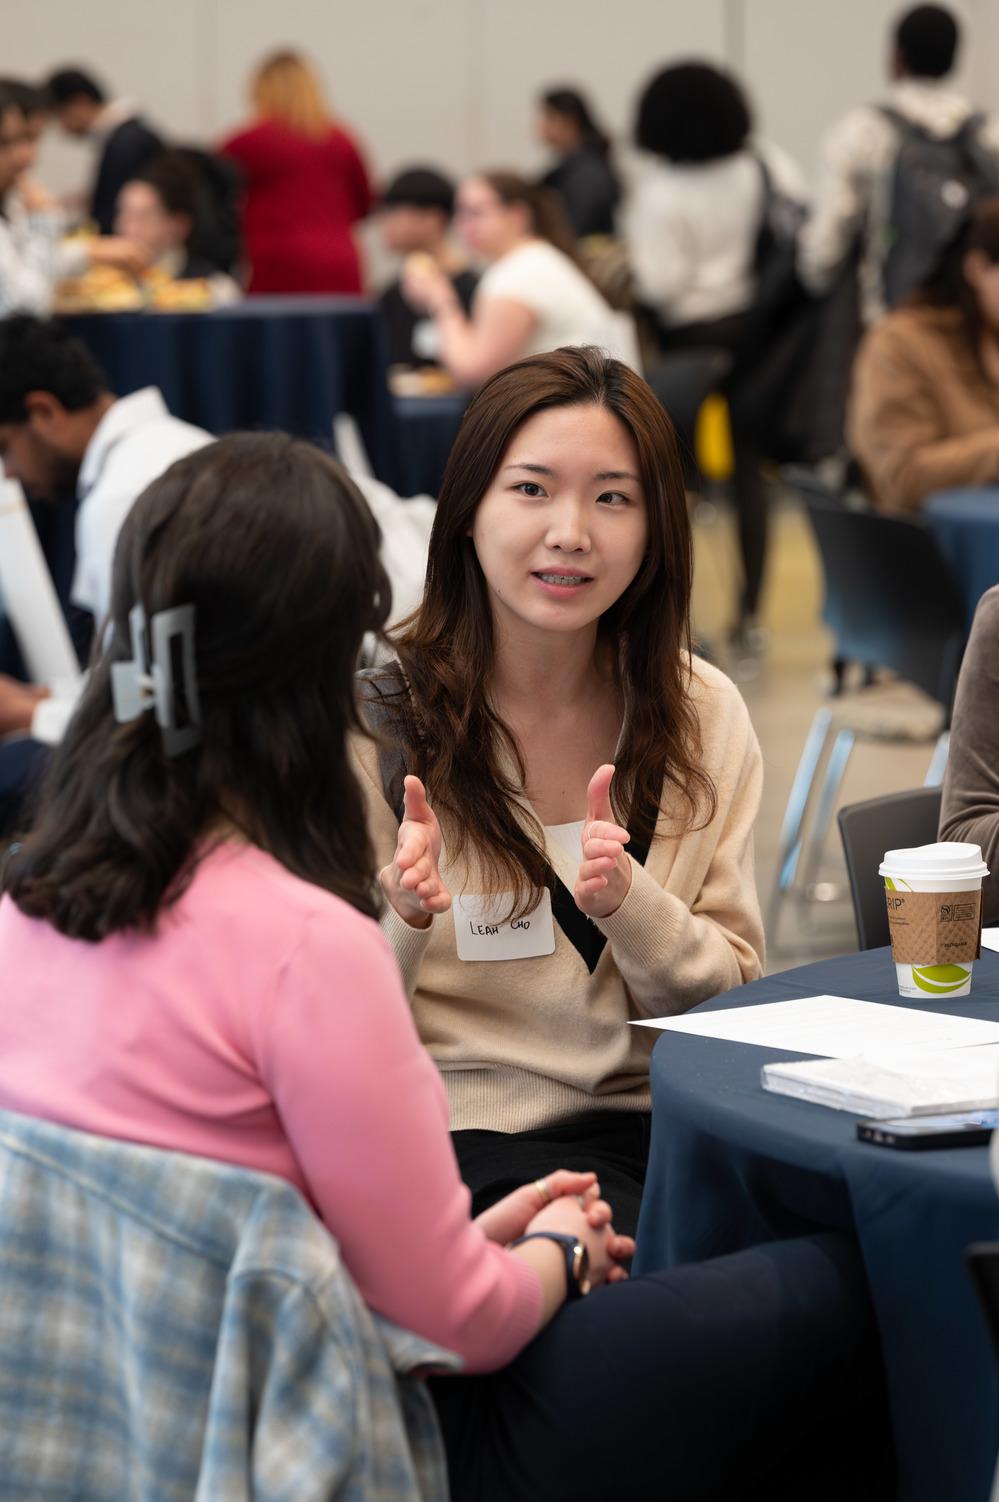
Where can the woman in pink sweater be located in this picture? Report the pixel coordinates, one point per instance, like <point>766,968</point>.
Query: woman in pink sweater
<point>191,925</point>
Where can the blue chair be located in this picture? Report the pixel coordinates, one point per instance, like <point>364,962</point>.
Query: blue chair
<point>891,602</point>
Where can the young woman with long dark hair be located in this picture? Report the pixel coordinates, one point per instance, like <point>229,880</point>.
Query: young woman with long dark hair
<point>924,408</point>
<point>590,775</point>
<point>187,930</point>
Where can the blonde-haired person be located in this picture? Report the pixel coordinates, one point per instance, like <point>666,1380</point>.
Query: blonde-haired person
<point>306,184</point>
<point>533,296</point>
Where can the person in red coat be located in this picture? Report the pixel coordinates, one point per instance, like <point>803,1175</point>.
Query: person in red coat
<point>305,185</point>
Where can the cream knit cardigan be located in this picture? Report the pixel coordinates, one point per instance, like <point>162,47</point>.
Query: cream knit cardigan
<point>525,1043</point>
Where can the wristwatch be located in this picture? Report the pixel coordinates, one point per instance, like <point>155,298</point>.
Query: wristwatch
<point>577,1259</point>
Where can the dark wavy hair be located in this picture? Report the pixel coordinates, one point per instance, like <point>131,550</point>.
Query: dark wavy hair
<point>273,545</point>
<point>37,355</point>
<point>575,107</point>
<point>451,733</point>
<point>693,112</point>
<point>948,286</point>
<point>549,220</point>
<point>175,179</point>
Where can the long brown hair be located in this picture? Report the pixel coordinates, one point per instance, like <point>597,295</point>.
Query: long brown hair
<point>277,551</point>
<point>286,87</point>
<point>949,287</point>
<point>451,732</point>
<point>549,220</point>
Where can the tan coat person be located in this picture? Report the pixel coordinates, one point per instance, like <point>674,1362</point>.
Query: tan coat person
<point>924,416</point>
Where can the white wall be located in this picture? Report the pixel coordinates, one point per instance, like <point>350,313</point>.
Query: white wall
<point>453,81</point>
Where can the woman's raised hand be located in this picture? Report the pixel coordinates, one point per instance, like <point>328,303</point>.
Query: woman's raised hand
<point>424,284</point>
<point>412,883</point>
<point>604,879</point>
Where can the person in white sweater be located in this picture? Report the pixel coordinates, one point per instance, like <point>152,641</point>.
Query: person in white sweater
<point>533,296</point>
<point>692,223</point>
<point>853,203</point>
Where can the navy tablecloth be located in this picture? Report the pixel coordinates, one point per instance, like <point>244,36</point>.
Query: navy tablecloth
<point>732,1165</point>
<point>427,427</point>
<point>966,525</point>
<point>268,362</point>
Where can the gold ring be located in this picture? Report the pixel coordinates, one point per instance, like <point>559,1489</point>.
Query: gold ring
<point>541,1185</point>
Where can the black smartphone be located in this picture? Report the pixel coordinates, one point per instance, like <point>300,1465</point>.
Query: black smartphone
<point>926,1133</point>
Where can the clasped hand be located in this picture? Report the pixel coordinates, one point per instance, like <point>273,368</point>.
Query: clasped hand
<point>575,1208</point>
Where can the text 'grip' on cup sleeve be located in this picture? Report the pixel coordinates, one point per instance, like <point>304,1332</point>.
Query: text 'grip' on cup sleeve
<point>935,928</point>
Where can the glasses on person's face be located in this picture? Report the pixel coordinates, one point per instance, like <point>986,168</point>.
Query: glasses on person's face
<point>472,211</point>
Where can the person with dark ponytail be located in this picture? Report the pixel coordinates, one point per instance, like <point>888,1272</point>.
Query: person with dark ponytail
<point>533,296</point>
<point>583,176</point>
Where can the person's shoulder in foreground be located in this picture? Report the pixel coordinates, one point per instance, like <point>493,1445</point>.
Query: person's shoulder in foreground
<point>970,799</point>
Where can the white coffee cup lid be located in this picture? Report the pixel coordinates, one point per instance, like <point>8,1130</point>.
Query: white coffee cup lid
<point>946,858</point>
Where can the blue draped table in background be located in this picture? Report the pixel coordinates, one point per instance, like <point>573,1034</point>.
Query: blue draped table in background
<point>733,1165</point>
<point>428,425</point>
<point>966,525</point>
<point>268,362</point>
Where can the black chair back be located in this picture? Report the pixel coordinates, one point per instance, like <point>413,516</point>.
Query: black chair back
<point>891,598</point>
<point>683,380</point>
<point>868,829</point>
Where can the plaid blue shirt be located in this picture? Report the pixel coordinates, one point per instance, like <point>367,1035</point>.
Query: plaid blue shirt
<point>173,1328</point>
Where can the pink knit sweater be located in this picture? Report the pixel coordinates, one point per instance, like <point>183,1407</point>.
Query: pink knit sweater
<point>265,1024</point>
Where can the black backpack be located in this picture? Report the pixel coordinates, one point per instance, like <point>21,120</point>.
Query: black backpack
<point>934,183</point>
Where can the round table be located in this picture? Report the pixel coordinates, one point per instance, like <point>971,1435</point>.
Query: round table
<point>966,525</point>
<point>428,425</point>
<point>732,1165</point>
<point>291,363</point>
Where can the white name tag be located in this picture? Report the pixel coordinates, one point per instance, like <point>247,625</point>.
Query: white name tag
<point>482,931</point>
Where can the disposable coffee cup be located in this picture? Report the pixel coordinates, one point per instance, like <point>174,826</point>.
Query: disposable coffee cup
<point>934,899</point>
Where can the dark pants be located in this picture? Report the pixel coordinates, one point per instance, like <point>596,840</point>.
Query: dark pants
<point>750,1378</point>
<point>614,1144</point>
<point>749,491</point>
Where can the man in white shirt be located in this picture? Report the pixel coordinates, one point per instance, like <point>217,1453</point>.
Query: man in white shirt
<point>854,201</point>
<point>62,429</point>
<point>125,142</point>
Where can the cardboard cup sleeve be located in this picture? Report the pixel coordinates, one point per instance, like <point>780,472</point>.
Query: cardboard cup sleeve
<point>935,928</point>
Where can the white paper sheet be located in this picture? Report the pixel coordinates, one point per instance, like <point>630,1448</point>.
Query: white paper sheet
<point>990,938</point>
<point>28,596</point>
<point>833,1027</point>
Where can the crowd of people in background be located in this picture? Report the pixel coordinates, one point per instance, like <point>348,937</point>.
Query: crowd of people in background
<point>696,236</point>
<point>189,903</point>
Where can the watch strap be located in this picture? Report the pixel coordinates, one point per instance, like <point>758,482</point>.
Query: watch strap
<point>569,1245</point>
